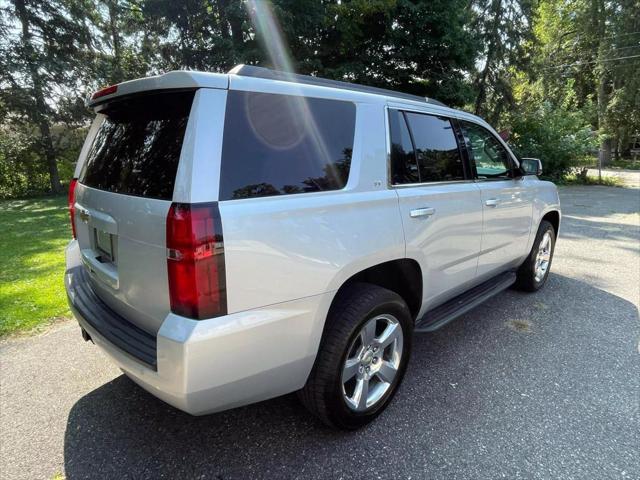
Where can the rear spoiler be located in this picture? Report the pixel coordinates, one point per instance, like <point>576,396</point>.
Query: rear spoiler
<point>178,79</point>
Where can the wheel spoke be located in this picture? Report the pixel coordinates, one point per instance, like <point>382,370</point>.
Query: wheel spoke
<point>368,333</point>
<point>387,372</point>
<point>350,369</point>
<point>388,335</point>
<point>545,242</point>
<point>361,393</point>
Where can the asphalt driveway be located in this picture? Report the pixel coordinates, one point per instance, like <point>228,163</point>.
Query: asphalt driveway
<point>543,385</point>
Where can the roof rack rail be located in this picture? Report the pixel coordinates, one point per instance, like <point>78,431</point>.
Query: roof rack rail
<point>262,72</point>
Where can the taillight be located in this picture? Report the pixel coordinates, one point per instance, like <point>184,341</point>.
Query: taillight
<point>195,260</point>
<point>72,204</point>
<point>105,91</point>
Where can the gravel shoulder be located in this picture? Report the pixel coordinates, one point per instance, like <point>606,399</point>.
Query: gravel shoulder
<point>543,385</point>
<point>629,178</point>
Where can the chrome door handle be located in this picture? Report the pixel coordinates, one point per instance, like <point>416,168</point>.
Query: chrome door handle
<point>422,212</point>
<point>492,202</point>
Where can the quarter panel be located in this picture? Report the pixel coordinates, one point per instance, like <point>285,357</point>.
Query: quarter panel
<point>284,248</point>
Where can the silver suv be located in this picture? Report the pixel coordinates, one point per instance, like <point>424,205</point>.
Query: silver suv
<point>245,235</point>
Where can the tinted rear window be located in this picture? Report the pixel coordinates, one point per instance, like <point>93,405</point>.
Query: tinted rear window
<point>404,166</point>
<point>284,144</point>
<point>137,147</point>
<point>437,150</point>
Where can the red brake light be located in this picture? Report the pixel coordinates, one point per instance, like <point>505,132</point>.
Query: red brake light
<point>72,204</point>
<point>195,260</point>
<point>105,91</point>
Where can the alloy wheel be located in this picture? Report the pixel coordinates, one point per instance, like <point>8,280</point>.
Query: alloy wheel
<point>372,362</point>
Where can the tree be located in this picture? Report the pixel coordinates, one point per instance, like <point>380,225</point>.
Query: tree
<point>198,34</point>
<point>420,47</point>
<point>505,28</point>
<point>514,62</point>
<point>40,58</point>
<point>621,118</point>
<point>595,44</point>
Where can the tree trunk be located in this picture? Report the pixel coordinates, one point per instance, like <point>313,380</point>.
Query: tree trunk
<point>222,6</point>
<point>605,145</point>
<point>229,21</point>
<point>599,23</point>
<point>39,115</point>
<point>481,82</point>
<point>235,22</point>
<point>482,89</point>
<point>50,156</point>
<point>115,42</point>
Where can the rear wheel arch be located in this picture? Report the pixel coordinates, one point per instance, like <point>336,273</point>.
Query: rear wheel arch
<point>402,276</point>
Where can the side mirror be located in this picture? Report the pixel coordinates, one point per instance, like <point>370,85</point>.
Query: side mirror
<point>531,166</point>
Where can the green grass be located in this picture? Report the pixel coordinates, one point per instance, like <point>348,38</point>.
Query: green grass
<point>573,179</point>
<point>627,164</point>
<point>33,236</point>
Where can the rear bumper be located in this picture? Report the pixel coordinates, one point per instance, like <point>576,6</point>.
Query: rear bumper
<point>211,365</point>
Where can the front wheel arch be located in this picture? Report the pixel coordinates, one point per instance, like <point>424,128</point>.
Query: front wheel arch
<point>553,217</point>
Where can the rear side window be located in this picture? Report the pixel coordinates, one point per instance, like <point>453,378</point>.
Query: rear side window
<point>284,144</point>
<point>137,148</point>
<point>404,167</point>
<point>439,158</point>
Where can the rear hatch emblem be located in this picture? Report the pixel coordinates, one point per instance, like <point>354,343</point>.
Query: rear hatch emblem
<point>84,215</point>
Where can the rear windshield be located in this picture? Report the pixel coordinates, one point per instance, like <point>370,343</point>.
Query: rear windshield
<point>285,144</point>
<point>137,147</point>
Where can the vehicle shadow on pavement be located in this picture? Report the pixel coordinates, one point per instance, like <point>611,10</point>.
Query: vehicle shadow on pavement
<point>519,374</point>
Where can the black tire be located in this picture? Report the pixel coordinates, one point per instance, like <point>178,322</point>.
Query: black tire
<point>526,276</point>
<point>323,392</point>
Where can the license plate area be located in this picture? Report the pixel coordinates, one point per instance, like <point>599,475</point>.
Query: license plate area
<point>105,246</point>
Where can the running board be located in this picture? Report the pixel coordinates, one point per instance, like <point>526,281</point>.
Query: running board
<point>443,314</point>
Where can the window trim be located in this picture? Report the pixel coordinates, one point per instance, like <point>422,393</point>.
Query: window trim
<point>466,164</point>
<point>430,184</point>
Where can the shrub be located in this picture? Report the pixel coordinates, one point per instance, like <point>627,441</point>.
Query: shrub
<point>23,172</point>
<point>562,139</point>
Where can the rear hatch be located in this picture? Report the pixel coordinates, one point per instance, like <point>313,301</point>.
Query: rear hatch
<point>123,195</point>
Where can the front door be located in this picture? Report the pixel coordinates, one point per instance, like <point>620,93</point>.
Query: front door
<point>506,202</point>
<point>440,205</point>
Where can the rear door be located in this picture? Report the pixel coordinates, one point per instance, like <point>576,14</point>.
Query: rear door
<point>506,202</point>
<point>439,203</point>
<point>124,192</point>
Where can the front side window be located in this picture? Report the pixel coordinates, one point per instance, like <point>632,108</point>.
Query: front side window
<point>488,155</point>
<point>285,144</point>
<point>439,158</point>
